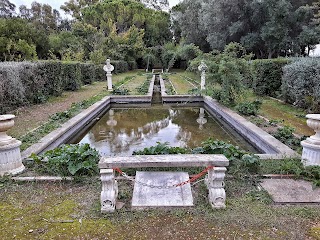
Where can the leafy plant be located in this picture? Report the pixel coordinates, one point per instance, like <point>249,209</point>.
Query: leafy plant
<point>249,108</point>
<point>144,87</point>
<point>73,159</point>
<point>285,135</point>
<point>120,91</point>
<point>275,122</point>
<point>241,162</point>
<point>161,149</point>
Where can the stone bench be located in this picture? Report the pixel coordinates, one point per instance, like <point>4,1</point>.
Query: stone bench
<point>214,178</point>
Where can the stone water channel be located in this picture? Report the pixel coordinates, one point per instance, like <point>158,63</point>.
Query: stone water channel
<point>122,130</point>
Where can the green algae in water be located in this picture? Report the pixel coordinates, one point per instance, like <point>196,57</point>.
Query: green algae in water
<point>122,131</point>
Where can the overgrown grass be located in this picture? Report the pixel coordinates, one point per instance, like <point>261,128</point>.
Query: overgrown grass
<point>69,210</point>
<point>183,81</point>
<point>292,116</point>
<point>56,120</point>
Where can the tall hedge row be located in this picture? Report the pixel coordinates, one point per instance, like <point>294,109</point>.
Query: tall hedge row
<point>23,83</point>
<point>267,76</point>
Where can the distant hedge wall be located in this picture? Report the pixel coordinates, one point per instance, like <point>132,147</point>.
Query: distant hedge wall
<point>267,76</point>
<point>23,83</point>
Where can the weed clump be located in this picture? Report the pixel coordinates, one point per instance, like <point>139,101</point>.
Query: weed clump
<point>68,160</point>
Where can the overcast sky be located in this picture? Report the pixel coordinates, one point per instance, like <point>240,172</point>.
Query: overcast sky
<point>57,3</point>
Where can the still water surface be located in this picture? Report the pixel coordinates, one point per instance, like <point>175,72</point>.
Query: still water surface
<point>121,131</point>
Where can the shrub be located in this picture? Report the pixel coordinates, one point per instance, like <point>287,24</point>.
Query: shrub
<point>301,84</point>
<point>73,159</point>
<point>88,73</point>
<point>249,108</point>
<point>267,76</point>
<point>160,149</point>
<point>51,71</point>
<point>71,74</point>
<point>100,75</point>
<point>132,65</point>
<point>241,162</point>
<point>120,91</point>
<point>120,66</point>
<point>285,135</point>
<point>23,83</point>
<point>12,91</point>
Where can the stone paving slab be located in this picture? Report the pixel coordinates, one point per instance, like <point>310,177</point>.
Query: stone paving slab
<point>148,197</point>
<point>291,191</point>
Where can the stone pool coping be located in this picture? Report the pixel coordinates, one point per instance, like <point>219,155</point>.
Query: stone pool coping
<point>272,148</point>
<point>81,122</point>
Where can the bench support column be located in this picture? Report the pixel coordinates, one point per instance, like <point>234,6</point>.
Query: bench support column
<point>215,184</point>
<point>109,191</point>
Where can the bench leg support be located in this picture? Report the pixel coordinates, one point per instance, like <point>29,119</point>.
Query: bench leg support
<point>109,191</point>
<point>215,184</point>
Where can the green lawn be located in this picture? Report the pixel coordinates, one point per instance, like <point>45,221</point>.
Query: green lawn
<point>183,81</point>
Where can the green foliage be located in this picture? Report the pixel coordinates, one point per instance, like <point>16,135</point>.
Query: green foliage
<point>301,85</point>
<point>71,73</point>
<point>21,40</point>
<point>75,160</point>
<point>249,108</point>
<point>23,83</point>
<point>56,120</point>
<point>144,88</point>
<point>312,173</point>
<point>266,28</point>
<point>97,56</point>
<point>241,162</point>
<point>161,149</point>
<point>228,73</point>
<point>285,135</point>
<point>120,91</point>
<point>267,76</point>
<point>120,66</point>
<point>87,73</point>
<point>292,166</point>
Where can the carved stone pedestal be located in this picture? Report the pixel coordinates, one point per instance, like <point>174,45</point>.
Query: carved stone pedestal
<point>215,184</point>
<point>311,146</point>
<point>10,157</point>
<point>109,191</point>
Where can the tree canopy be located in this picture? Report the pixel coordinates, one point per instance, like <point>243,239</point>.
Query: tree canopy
<point>268,28</point>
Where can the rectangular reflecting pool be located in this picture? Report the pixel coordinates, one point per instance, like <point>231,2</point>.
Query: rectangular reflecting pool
<point>123,130</point>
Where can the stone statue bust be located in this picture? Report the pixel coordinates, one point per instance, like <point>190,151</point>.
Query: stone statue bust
<point>108,67</point>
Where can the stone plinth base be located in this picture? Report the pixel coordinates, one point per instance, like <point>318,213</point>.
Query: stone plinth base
<point>10,158</point>
<point>310,154</point>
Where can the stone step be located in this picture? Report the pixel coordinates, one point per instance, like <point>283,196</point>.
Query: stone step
<point>148,194</point>
<point>290,191</point>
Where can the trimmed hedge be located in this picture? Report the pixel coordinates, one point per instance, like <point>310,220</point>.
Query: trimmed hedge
<point>267,76</point>
<point>23,83</point>
<point>301,84</point>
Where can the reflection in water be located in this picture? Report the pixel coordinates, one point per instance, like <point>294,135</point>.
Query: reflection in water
<point>121,131</point>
